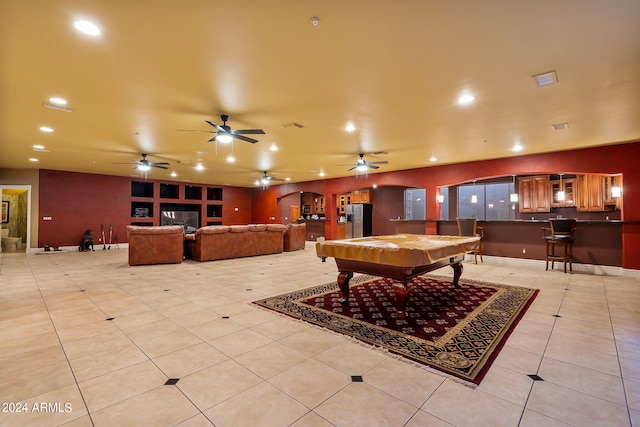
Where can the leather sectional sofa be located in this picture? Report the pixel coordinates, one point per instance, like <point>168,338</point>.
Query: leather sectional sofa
<point>234,241</point>
<point>155,245</point>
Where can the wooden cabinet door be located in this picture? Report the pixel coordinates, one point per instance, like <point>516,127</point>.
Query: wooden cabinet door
<point>355,197</point>
<point>344,201</point>
<point>365,196</point>
<point>590,193</point>
<point>596,183</point>
<point>534,194</point>
<point>582,193</point>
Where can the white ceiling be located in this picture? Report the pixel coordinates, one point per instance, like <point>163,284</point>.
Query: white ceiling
<point>392,68</point>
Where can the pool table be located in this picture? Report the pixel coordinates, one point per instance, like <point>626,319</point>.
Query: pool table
<point>399,256</point>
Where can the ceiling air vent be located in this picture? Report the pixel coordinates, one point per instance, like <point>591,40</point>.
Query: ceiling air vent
<point>561,126</point>
<point>57,107</point>
<point>546,79</point>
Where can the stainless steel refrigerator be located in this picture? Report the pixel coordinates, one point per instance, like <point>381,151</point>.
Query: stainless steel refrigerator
<point>359,220</point>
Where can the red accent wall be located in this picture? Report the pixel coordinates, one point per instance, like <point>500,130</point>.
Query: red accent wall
<point>80,201</point>
<point>610,159</point>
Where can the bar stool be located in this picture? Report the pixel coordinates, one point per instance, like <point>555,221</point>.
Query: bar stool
<point>562,233</point>
<point>469,227</point>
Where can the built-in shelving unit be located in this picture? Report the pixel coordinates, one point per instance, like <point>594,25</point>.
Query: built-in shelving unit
<point>158,203</point>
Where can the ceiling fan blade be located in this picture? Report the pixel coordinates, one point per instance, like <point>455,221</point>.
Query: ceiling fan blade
<point>194,130</point>
<point>382,162</point>
<point>244,138</point>
<point>248,132</point>
<point>156,165</point>
<point>372,167</point>
<point>159,163</point>
<point>218,127</point>
<point>350,169</point>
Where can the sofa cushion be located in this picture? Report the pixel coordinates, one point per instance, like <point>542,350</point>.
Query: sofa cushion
<point>276,227</point>
<point>257,227</point>
<point>213,229</point>
<point>238,228</point>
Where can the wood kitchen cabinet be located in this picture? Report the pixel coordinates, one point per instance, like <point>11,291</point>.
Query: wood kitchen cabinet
<point>360,196</point>
<point>534,193</point>
<point>591,193</point>
<point>343,201</point>
<point>312,203</point>
<point>353,198</point>
<point>569,188</point>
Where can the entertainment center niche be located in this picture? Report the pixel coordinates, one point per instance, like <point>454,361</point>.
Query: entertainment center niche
<point>160,203</point>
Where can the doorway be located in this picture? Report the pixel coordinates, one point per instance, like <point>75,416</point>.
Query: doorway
<point>16,203</point>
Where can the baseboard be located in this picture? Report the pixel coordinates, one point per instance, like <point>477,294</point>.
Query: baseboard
<point>601,270</point>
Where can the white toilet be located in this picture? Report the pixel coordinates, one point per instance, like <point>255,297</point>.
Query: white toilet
<point>9,244</point>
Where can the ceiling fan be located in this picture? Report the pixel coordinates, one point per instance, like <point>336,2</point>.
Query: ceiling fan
<point>266,179</point>
<point>362,166</point>
<point>144,165</point>
<point>225,134</point>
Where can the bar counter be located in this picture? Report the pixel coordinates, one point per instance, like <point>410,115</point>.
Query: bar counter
<point>315,228</point>
<point>597,242</point>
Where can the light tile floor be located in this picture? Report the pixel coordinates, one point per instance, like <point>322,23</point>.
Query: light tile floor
<point>87,340</point>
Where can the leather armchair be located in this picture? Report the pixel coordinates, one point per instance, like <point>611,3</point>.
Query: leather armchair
<point>155,245</point>
<point>294,237</point>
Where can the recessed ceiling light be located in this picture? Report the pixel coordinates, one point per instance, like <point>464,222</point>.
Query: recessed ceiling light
<point>57,100</point>
<point>33,159</point>
<point>350,127</point>
<point>466,99</point>
<point>517,147</point>
<point>199,167</point>
<point>231,159</point>
<point>38,147</point>
<point>46,129</point>
<point>87,27</point>
<point>560,126</point>
<point>433,159</point>
<point>173,174</point>
<point>321,174</point>
<point>273,147</point>
<point>287,179</point>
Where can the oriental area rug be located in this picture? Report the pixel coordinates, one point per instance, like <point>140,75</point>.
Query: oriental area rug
<point>455,331</point>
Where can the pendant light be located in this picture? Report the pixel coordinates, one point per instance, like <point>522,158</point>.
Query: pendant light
<point>513,197</point>
<point>474,198</point>
<point>560,194</point>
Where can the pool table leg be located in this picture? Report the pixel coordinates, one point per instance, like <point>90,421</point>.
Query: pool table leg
<point>402,291</point>
<point>343,283</point>
<point>457,272</point>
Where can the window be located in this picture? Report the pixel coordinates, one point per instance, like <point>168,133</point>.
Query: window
<point>444,203</point>
<point>486,201</point>
<point>471,201</point>
<point>415,203</point>
<point>498,206</point>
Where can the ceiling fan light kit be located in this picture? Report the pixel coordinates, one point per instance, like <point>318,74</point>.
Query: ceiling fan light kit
<point>224,138</point>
